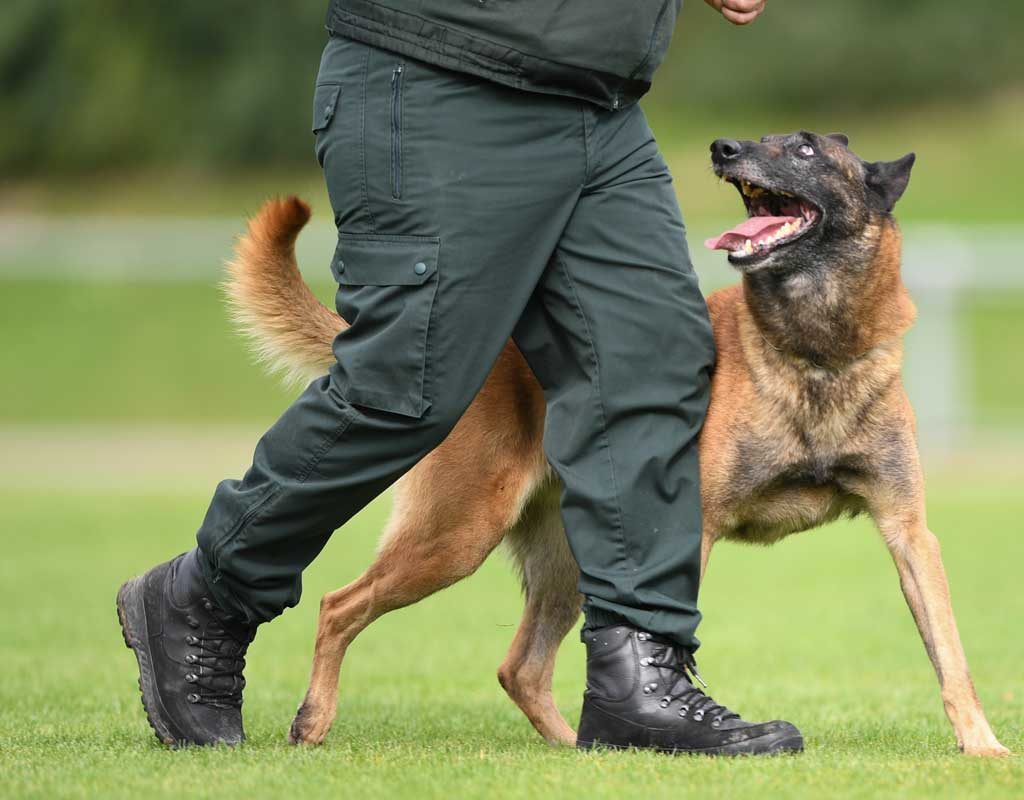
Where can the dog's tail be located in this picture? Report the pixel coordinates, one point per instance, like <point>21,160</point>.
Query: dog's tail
<point>290,330</point>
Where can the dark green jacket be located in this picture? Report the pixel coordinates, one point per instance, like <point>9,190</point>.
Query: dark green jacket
<point>604,51</point>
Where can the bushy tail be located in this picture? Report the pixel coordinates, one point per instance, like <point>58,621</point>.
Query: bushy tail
<point>291,331</point>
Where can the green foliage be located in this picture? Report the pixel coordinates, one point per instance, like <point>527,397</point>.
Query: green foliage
<point>856,55</point>
<point>114,84</point>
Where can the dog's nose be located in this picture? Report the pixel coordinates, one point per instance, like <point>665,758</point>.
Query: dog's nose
<point>725,149</point>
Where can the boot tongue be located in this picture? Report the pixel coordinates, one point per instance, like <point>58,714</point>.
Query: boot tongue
<point>753,228</point>
<point>189,586</point>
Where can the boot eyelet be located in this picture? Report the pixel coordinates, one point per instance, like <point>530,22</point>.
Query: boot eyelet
<point>193,698</point>
<point>716,722</point>
<point>683,710</point>
<point>650,687</point>
<point>698,716</point>
<point>645,661</point>
<point>665,702</point>
<point>190,639</point>
<point>191,678</point>
<point>191,658</point>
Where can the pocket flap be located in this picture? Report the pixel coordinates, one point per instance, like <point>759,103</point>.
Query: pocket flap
<point>325,103</point>
<point>384,260</point>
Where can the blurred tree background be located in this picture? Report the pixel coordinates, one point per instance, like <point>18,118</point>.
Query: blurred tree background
<point>116,84</point>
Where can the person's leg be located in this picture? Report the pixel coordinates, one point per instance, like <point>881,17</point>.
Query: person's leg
<point>450,195</point>
<point>425,167</point>
<point>619,336</point>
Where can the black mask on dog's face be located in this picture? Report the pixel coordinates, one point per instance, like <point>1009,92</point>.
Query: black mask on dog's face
<point>807,196</point>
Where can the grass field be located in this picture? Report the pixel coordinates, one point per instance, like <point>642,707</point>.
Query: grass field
<point>814,629</point>
<point>108,455</point>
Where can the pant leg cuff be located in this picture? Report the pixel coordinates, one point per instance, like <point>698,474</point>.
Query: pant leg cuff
<point>675,627</point>
<point>594,618</point>
<point>223,597</point>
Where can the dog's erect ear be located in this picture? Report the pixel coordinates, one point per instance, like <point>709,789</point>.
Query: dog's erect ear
<point>842,138</point>
<point>887,180</point>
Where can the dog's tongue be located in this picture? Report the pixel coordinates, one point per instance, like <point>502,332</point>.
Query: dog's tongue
<point>753,228</point>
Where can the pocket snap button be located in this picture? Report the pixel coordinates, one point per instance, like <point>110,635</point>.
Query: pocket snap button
<point>419,268</point>
<point>341,266</point>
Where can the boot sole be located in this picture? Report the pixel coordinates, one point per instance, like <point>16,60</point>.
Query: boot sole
<point>131,613</point>
<point>790,744</point>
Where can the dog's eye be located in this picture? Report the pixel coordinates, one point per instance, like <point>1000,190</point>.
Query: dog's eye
<point>805,150</point>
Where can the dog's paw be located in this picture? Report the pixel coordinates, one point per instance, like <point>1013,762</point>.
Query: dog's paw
<point>991,749</point>
<point>309,727</point>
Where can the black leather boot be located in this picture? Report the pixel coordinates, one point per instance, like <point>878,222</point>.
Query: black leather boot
<point>639,694</point>
<point>190,655</point>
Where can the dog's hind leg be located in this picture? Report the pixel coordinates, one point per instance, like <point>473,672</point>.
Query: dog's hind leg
<point>550,578</point>
<point>915,550</point>
<point>443,526</point>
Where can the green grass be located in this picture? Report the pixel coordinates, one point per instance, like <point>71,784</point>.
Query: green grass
<point>166,352</point>
<point>995,340</point>
<point>815,630</point>
<point>128,353</point>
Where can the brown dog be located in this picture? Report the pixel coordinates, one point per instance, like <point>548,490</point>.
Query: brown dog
<point>808,421</point>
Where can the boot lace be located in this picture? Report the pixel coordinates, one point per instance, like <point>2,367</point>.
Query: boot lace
<point>218,660</point>
<point>680,661</point>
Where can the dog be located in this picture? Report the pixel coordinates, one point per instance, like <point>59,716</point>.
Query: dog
<point>808,421</point>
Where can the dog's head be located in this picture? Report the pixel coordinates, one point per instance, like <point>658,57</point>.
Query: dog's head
<point>808,199</point>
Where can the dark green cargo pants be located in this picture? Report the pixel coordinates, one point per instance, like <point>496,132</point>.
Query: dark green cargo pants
<point>469,213</point>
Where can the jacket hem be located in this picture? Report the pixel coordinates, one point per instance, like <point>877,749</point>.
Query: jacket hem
<point>446,47</point>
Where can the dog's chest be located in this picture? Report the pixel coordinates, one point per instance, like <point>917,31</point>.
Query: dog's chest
<point>784,479</point>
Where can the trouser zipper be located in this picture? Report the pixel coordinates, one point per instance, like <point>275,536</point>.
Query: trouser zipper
<point>396,132</point>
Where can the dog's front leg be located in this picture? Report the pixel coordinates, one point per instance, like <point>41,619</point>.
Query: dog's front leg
<point>915,550</point>
<point>707,541</point>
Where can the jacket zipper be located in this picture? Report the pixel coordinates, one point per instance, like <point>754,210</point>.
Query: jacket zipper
<point>396,132</point>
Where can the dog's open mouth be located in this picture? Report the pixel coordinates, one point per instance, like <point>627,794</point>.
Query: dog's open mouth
<point>775,219</point>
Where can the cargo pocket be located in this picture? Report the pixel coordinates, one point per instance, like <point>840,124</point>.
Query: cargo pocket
<point>386,290</point>
<point>325,106</point>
